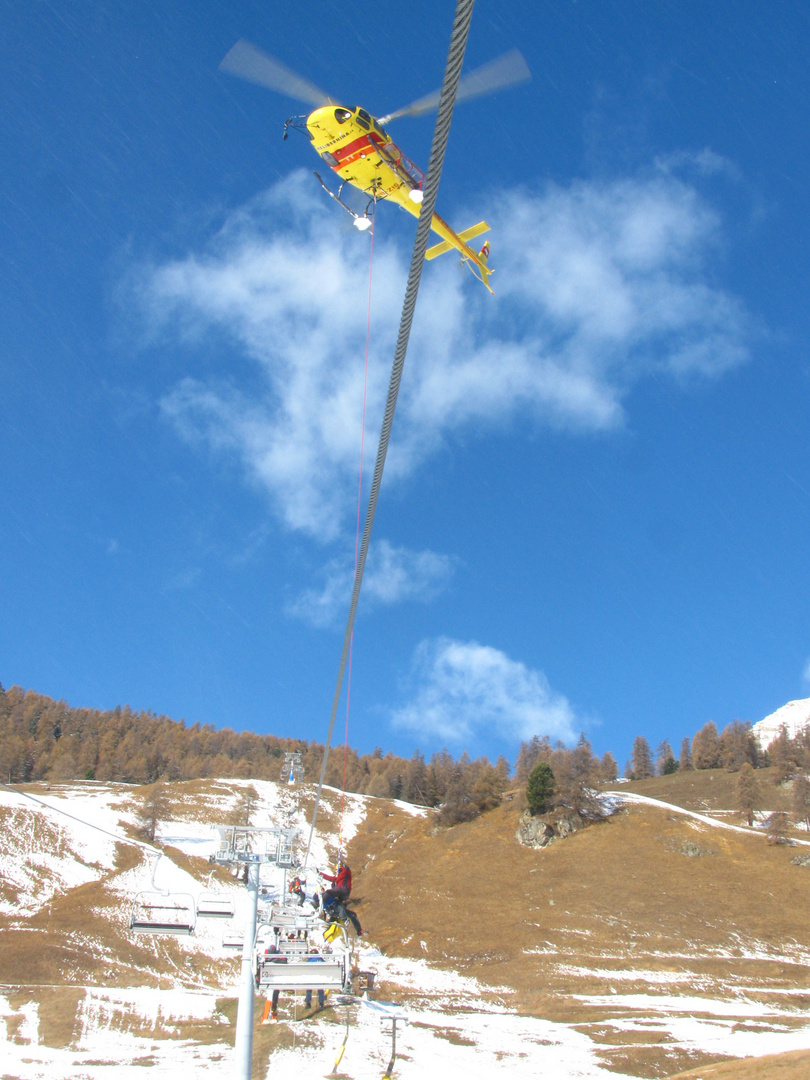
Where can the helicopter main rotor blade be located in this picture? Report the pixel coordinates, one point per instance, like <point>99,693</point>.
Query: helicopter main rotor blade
<point>503,71</point>
<point>247,62</point>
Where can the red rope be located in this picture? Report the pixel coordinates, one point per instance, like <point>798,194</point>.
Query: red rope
<point>357,530</point>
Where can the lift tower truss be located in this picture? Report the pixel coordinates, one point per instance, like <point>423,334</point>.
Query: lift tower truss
<point>245,845</point>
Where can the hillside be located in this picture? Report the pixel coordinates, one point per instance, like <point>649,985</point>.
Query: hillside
<point>647,945</point>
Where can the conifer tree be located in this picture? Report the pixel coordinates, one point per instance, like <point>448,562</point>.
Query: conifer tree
<point>248,797</point>
<point>642,759</point>
<point>685,760</point>
<point>706,747</point>
<point>737,745</point>
<point>609,768</point>
<point>777,827</point>
<point>749,796</point>
<point>664,759</point>
<point>784,757</point>
<point>540,789</point>
<point>575,772</point>
<point>152,811</point>
<point>801,799</point>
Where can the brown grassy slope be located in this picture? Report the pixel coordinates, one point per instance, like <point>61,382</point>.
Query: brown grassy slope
<point>708,789</point>
<point>792,1066</point>
<point>594,915</point>
<point>483,903</point>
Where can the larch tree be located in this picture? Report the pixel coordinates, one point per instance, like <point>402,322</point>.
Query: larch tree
<point>737,745</point>
<point>665,761</point>
<point>685,760</point>
<point>801,800</point>
<point>642,759</point>
<point>749,795</point>
<point>706,747</point>
<point>777,827</point>
<point>783,755</point>
<point>152,811</point>
<point>608,767</point>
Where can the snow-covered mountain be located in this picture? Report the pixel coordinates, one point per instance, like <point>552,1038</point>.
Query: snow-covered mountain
<point>795,716</point>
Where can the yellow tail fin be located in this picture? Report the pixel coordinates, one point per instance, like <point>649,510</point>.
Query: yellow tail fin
<point>447,245</point>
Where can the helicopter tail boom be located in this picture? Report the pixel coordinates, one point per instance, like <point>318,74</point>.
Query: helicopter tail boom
<point>448,245</point>
<point>476,260</point>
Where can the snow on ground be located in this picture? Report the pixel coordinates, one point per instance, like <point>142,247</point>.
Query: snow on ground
<point>738,1028</point>
<point>105,1050</point>
<point>418,975</point>
<point>795,716</point>
<point>612,799</point>
<point>59,852</point>
<point>434,1045</point>
<point>453,1027</point>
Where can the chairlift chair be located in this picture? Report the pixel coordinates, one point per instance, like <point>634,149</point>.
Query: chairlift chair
<point>214,903</point>
<point>292,964</point>
<point>163,913</point>
<point>160,911</point>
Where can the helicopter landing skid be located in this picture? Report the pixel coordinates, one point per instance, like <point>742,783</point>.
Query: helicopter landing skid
<point>361,221</point>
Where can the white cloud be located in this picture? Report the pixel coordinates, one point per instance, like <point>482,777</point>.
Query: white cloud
<point>463,690</point>
<point>392,575</point>
<point>598,285</point>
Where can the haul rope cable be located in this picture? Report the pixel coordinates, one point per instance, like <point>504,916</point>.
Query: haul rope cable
<point>357,528</point>
<point>455,58</point>
<point>115,836</point>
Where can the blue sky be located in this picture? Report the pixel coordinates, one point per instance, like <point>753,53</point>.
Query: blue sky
<point>596,508</point>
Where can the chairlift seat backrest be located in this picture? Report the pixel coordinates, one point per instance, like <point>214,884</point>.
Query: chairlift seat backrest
<point>274,974</point>
<point>163,913</point>
<point>214,905</point>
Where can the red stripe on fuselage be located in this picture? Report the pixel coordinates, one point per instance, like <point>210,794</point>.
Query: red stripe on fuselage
<point>355,148</point>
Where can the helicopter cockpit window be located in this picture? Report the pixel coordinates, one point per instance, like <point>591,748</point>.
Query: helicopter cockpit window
<point>342,115</point>
<point>363,119</point>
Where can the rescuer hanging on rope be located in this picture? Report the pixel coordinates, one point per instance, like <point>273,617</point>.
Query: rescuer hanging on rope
<point>340,892</point>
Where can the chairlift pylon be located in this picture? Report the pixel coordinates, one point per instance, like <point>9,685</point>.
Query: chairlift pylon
<point>292,769</point>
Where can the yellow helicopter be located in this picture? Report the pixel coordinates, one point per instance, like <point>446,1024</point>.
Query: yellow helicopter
<point>356,146</point>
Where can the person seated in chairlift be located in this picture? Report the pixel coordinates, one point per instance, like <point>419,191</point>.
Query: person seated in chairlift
<point>296,887</point>
<point>314,959</point>
<point>272,956</point>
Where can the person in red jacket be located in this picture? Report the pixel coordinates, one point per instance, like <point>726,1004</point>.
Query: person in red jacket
<point>340,893</point>
<point>342,880</point>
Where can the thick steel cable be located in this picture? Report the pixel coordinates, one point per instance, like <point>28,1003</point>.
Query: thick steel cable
<point>359,505</point>
<point>441,132</point>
